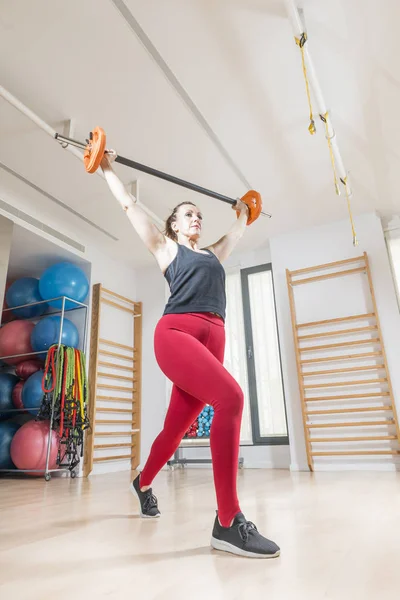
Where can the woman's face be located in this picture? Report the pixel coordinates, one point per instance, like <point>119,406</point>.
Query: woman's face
<point>188,222</point>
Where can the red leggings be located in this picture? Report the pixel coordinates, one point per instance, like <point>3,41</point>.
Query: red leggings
<point>190,351</point>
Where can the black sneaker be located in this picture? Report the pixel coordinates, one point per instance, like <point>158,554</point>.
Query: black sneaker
<point>148,501</point>
<point>242,538</point>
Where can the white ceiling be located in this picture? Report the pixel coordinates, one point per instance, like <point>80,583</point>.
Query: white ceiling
<point>238,63</point>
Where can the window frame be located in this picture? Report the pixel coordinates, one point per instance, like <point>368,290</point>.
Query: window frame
<point>258,439</point>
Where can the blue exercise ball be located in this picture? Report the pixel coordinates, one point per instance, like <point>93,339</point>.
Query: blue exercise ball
<point>32,393</point>
<point>7,432</point>
<point>25,291</point>
<point>7,383</point>
<point>64,279</point>
<point>47,332</point>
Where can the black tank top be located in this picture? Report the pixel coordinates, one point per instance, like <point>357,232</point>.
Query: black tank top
<point>197,283</point>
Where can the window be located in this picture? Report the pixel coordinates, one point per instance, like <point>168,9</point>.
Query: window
<point>393,246</point>
<point>252,354</point>
<point>235,347</point>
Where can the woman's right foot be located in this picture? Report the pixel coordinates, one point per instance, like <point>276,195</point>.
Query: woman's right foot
<point>242,538</point>
<point>148,501</point>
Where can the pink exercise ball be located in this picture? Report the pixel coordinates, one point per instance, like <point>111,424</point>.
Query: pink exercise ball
<point>17,394</point>
<point>15,338</point>
<point>28,367</point>
<point>29,448</point>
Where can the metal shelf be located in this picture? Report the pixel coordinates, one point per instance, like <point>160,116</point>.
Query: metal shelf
<point>51,312</point>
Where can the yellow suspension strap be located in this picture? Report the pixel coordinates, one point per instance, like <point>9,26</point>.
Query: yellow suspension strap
<point>301,41</point>
<point>78,376</point>
<point>324,119</point>
<point>348,197</point>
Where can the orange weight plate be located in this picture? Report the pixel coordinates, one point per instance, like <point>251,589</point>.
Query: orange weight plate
<point>94,151</point>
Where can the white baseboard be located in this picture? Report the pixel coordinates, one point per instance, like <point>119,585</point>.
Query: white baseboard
<point>370,466</point>
<point>246,465</point>
<point>296,467</point>
<point>389,467</point>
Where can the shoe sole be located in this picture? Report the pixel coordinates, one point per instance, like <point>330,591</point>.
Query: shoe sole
<point>134,492</point>
<point>226,547</point>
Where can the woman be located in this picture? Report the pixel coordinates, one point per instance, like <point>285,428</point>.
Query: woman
<point>189,347</point>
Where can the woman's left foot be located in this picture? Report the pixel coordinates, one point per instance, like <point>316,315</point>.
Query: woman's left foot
<point>148,501</point>
<point>242,538</point>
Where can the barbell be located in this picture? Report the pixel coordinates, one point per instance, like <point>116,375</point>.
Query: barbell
<point>94,151</point>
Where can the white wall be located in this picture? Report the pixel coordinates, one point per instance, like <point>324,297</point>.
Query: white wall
<point>317,246</point>
<point>244,260</point>
<point>150,289</point>
<point>6,229</point>
<point>112,274</point>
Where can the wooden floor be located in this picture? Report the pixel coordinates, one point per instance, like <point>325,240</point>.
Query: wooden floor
<point>82,539</point>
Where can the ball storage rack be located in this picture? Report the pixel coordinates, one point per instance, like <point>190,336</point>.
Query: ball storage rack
<point>78,306</point>
<point>203,441</point>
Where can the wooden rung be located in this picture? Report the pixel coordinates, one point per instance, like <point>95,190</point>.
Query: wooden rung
<point>105,386</point>
<point>114,410</point>
<point>116,305</point>
<point>115,433</point>
<point>340,345</point>
<point>329,275</point>
<point>336,333</point>
<point>354,424</point>
<point>356,453</point>
<point>119,296</point>
<point>360,438</point>
<point>337,411</point>
<point>114,399</point>
<point>328,265</point>
<point>104,446</point>
<point>338,320</point>
<point>115,355</point>
<point>348,397</point>
<point>102,458</point>
<point>119,377</point>
<point>337,371</point>
<point>341,358</point>
<point>345,383</point>
<point>116,345</point>
<point>113,422</point>
<point>115,366</point>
